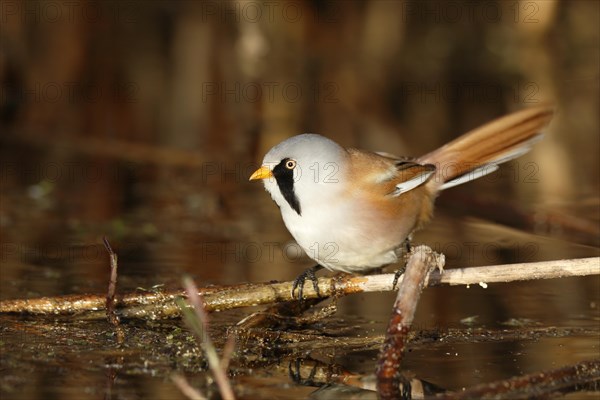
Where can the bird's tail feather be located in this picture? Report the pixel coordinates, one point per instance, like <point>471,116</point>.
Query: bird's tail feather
<point>478,152</point>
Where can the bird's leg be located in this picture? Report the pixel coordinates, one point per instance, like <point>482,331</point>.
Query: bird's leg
<point>397,275</point>
<point>299,281</point>
<point>407,244</point>
<point>296,376</point>
<point>400,271</point>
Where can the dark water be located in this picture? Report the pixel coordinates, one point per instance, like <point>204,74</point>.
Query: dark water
<point>43,357</point>
<point>139,121</point>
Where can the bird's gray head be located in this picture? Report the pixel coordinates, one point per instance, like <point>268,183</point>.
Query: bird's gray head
<point>300,168</point>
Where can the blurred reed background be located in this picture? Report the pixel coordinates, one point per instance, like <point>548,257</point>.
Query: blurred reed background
<point>143,120</point>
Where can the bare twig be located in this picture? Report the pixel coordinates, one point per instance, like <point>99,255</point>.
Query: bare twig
<point>111,313</point>
<point>205,341</point>
<point>536,385</point>
<point>422,260</point>
<point>162,305</point>
<point>228,350</point>
<point>185,388</point>
<point>112,285</point>
<point>285,315</point>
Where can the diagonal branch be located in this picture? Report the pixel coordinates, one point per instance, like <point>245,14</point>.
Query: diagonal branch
<point>421,262</point>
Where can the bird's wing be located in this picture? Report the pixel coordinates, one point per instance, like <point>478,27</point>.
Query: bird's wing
<point>411,175</point>
<point>394,175</point>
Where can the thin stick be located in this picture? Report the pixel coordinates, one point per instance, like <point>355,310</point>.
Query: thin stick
<point>212,357</point>
<point>538,385</point>
<point>228,350</point>
<point>218,298</point>
<point>184,387</point>
<point>112,285</point>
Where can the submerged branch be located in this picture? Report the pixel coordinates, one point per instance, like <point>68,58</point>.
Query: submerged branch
<point>539,385</point>
<point>155,305</point>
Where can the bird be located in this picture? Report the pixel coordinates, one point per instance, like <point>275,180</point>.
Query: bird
<point>354,211</point>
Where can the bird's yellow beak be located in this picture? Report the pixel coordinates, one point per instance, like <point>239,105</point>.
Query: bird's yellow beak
<point>261,173</point>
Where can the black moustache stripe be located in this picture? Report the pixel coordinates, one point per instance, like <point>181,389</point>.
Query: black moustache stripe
<point>285,181</point>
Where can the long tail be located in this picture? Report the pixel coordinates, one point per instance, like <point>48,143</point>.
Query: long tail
<point>478,152</point>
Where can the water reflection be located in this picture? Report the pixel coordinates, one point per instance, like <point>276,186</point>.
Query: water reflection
<point>142,124</point>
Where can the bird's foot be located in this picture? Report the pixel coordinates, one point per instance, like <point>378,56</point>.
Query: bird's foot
<point>299,282</point>
<point>397,275</point>
<point>407,245</point>
<point>294,369</point>
<point>408,248</point>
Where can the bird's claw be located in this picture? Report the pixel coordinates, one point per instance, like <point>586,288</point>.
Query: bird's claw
<point>408,248</point>
<point>294,369</point>
<point>299,282</point>
<point>397,275</point>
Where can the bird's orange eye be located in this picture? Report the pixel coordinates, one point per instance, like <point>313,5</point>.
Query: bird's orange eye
<point>290,164</point>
